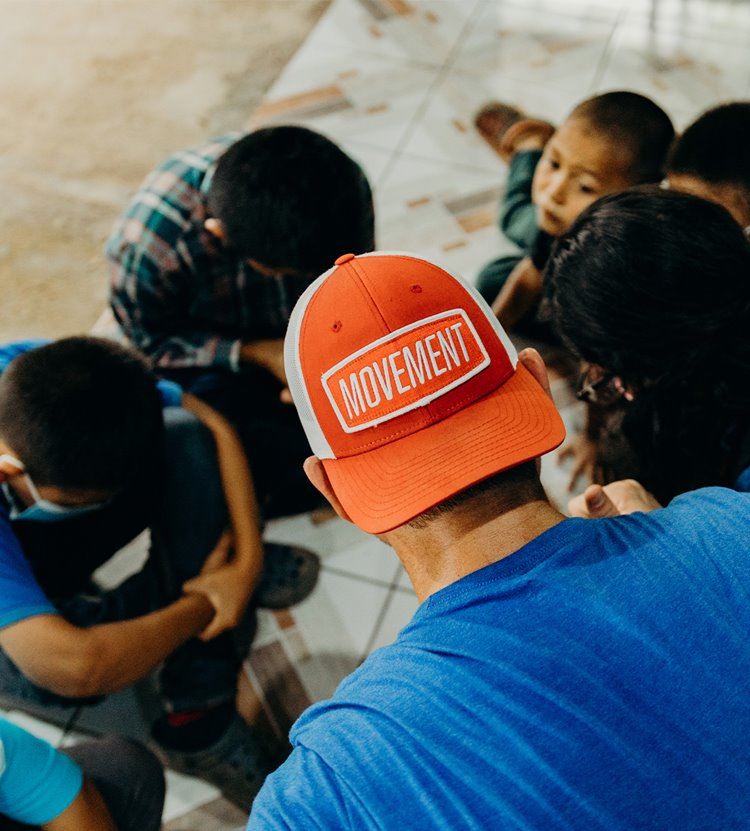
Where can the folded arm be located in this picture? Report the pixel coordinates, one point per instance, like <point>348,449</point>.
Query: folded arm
<point>75,662</point>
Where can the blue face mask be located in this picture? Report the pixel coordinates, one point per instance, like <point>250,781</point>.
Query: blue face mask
<point>43,510</point>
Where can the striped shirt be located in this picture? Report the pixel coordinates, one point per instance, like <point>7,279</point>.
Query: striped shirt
<point>178,295</point>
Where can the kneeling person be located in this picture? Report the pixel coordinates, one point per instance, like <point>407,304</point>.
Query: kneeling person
<point>559,673</point>
<point>89,459</point>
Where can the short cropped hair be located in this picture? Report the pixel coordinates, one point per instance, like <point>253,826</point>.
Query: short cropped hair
<point>82,413</point>
<point>716,147</point>
<point>502,492</point>
<point>636,123</point>
<point>290,198</point>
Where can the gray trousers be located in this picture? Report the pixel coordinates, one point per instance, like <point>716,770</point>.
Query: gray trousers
<point>129,778</point>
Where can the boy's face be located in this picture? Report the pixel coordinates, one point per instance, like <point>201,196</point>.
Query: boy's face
<point>727,195</point>
<point>579,165</point>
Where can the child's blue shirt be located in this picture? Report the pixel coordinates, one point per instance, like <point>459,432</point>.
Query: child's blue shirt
<point>37,782</point>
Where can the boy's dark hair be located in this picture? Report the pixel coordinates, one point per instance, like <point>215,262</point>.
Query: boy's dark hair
<point>652,285</point>
<point>716,147</point>
<point>635,122</point>
<point>500,492</point>
<point>82,413</point>
<point>290,198</point>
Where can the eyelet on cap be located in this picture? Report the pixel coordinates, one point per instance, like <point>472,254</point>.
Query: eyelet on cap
<point>344,258</point>
<point>416,288</point>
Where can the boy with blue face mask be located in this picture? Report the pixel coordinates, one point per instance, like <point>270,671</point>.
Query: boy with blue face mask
<point>92,452</point>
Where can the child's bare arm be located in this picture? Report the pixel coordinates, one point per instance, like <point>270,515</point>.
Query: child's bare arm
<point>78,663</point>
<point>239,493</point>
<point>87,812</point>
<point>519,295</point>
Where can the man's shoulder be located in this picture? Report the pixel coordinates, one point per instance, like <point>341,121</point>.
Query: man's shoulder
<point>707,510</point>
<point>386,683</point>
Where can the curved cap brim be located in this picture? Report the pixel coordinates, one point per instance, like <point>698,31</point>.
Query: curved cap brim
<point>392,484</point>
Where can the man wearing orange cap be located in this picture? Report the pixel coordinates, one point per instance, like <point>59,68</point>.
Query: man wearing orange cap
<point>559,673</point>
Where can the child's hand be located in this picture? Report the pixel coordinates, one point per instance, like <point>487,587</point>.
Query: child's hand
<point>228,589</point>
<point>529,134</point>
<point>624,497</point>
<point>227,586</point>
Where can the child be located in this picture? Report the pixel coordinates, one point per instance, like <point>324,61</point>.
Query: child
<point>608,143</point>
<point>711,159</point>
<point>207,262</point>
<point>88,460</point>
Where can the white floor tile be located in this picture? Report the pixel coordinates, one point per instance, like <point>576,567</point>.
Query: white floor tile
<point>400,610</point>
<point>184,794</point>
<point>371,560</point>
<point>525,44</point>
<point>348,96</point>
<point>419,31</point>
<point>41,729</point>
<point>441,212</point>
<point>445,130</point>
<point>684,75</point>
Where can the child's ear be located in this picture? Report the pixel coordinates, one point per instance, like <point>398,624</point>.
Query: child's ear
<point>319,478</point>
<point>215,228</point>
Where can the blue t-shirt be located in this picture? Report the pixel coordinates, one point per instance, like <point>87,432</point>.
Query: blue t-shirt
<point>37,783</point>
<point>598,678</point>
<point>21,596</point>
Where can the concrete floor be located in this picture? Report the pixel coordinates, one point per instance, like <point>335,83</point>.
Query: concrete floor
<point>92,95</point>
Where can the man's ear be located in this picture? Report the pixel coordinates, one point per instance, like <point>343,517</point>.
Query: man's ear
<point>319,478</point>
<point>215,228</point>
<point>534,362</point>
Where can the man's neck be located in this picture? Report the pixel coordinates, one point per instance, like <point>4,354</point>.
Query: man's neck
<point>452,546</point>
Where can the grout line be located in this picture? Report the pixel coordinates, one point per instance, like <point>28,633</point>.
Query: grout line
<point>381,617</point>
<point>440,76</point>
<point>603,61</point>
<point>373,581</point>
<point>70,725</point>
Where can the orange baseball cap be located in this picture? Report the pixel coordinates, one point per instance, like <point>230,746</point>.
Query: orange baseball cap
<point>408,388</point>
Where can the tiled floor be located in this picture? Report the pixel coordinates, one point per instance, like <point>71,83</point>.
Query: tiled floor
<point>397,82</point>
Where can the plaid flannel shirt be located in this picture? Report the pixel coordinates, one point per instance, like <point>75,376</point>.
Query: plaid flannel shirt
<point>178,295</point>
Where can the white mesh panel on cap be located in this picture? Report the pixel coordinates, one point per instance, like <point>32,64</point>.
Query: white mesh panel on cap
<point>318,442</point>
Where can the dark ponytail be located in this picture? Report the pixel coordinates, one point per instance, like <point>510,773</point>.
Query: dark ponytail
<point>654,286</point>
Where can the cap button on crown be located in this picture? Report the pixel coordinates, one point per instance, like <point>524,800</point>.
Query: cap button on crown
<point>344,258</point>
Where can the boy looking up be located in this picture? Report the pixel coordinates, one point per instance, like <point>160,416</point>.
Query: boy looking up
<point>608,143</point>
<point>207,262</point>
<point>711,159</point>
<point>89,458</point>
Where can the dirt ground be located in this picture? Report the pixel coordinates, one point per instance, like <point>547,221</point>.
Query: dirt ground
<point>92,95</point>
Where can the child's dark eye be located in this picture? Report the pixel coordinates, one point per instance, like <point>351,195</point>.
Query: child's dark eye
<point>587,189</point>
<point>554,165</point>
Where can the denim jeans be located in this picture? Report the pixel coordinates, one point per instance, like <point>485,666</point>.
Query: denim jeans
<point>271,433</point>
<point>186,512</point>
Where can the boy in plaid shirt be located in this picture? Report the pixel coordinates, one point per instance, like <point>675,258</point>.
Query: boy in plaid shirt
<point>207,263</point>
